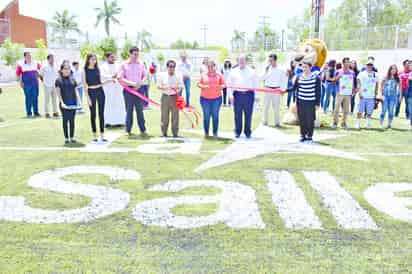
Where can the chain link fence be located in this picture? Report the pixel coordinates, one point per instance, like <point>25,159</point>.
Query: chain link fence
<point>383,37</point>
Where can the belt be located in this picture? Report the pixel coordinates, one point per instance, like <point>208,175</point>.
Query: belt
<point>272,87</point>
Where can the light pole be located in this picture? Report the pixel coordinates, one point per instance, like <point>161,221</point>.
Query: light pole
<point>204,28</point>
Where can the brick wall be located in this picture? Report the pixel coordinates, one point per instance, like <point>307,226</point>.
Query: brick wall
<point>24,29</point>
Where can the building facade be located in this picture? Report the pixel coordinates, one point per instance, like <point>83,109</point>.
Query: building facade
<point>20,28</point>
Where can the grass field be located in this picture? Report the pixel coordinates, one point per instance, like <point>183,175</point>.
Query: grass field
<point>120,244</point>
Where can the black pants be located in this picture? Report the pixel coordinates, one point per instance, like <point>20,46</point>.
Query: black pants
<point>307,117</point>
<point>68,122</point>
<point>133,102</point>
<point>97,98</point>
<point>225,99</point>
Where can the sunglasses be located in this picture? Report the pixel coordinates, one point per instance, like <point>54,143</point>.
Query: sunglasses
<point>171,66</point>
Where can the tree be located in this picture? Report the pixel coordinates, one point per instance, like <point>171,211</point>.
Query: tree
<point>160,59</point>
<point>299,27</point>
<point>107,45</point>
<point>62,24</point>
<point>108,14</point>
<point>87,48</point>
<point>126,47</point>
<point>12,52</point>
<point>238,41</point>
<point>144,40</point>
<point>195,45</point>
<point>41,52</point>
<point>223,54</point>
<point>264,38</point>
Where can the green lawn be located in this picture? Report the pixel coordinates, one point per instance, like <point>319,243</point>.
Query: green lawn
<point>120,244</point>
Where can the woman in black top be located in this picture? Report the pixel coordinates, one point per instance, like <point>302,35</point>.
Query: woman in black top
<point>95,94</point>
<point>354,67</point>
<point>307,86</point>
<point>69,99</point>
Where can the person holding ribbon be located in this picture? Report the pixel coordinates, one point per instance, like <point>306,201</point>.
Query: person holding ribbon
<point>132,74</point>
<point>211,85</point>
<point>170,84</point>
<point>242,81</point>
<point>95,95</point>
<point>274,78</point>
<point>69,98</point>
<point>114,110</point>
<point>308,89</point>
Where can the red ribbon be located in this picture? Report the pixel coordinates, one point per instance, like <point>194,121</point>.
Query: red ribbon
<point>141,96</point>
<point>268,90</point>
<point>180,104</point>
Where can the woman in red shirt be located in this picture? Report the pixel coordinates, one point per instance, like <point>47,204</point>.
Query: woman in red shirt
<point>211,85</point>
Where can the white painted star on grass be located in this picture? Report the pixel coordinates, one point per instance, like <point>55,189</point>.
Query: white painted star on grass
<point>268,140</point>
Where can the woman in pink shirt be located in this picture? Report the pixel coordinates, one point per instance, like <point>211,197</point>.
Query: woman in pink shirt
<point>211,85</point>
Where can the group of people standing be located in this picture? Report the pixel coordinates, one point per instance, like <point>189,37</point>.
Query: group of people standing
<point>344,82</point>
<point>115,92</point>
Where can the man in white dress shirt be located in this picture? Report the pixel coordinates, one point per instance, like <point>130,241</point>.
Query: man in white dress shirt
<point>114,110</point>
<point>185,69</point>
<point>274,78</point>
<point>243,76</point>
<point>49,75</point>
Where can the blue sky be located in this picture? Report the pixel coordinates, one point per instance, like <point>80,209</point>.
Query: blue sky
<point>170,20</point>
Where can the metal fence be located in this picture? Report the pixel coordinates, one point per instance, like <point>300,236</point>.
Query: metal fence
<point>384,37</point>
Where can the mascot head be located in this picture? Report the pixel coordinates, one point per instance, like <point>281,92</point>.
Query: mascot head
<point>313,51</point>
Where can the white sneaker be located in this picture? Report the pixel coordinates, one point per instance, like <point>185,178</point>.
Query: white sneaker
<point>380,126</point>
<point>357,125</point>
<point>368,123</point>
<point>334,127</point>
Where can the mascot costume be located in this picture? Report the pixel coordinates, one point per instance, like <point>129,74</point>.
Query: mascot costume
<point>315,52</point>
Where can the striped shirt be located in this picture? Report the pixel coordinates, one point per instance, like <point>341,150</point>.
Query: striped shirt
<point>308,88</point>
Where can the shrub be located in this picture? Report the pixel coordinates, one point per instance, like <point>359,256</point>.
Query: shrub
<point>107,45</point>
<point>41,53</point>
<point>90,48</point>
<point>12,52</point>
<point>125,51</point>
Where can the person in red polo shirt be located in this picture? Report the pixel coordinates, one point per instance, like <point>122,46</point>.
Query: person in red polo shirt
<point>211,85</point>
<point>404,75</point>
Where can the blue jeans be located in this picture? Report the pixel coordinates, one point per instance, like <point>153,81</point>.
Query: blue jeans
<point>133,102</point>
<point>211,108</point>
<point>186,82</point>
<point>243,105</point>
<point>388,106</point>
<point>410,107</point>
<point>145,91</point>
<point>291,98</point>
<point>80,91</point>
<point>330,91</point>
<point>31,92</point>
<point>398,106</point>
<point>322,93</point>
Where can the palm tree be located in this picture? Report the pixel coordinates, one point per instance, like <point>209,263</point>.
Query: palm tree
<point>238,40</point>
<point>144,40</point>
<point>62,24</point>
<point>107,15</point>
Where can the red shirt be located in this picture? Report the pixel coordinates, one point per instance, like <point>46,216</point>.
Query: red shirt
<point>215,82</point>
<point>404,78</point>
